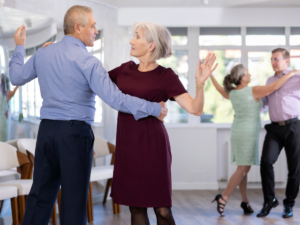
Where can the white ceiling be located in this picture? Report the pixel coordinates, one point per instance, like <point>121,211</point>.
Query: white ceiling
<point>198,3</point>
<point>11,19</point>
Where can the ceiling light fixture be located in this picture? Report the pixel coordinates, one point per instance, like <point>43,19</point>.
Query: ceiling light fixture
<point>205,2</point>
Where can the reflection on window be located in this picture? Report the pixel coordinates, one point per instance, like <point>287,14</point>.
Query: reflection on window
<point>220,40</point>
<point>179,63</point>
<point>260,68</point>
<point>216,108</point>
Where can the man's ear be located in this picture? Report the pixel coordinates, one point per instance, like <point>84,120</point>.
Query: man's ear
<point>152,47</point>
<point>77,28</point>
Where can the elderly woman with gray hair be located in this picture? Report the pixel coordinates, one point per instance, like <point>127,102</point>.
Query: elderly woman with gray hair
<point>245,127</point>
<point>142,174</point>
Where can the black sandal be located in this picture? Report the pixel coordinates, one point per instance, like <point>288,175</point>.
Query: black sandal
<point>220,205</point>
<point>246,207</point>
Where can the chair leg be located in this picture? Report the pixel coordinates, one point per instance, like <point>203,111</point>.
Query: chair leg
<point>118,208</point>
<point>108,184</point>
<point>21,203</point>
<point>1,205</point>
<point>53,215</point>
<point>59,203</point>
<point>115,206</point>
<point>91,202</point>
<point>15,211</point>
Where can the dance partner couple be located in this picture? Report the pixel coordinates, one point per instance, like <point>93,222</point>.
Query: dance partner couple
<point>69,77</point>
<point>282,95</point>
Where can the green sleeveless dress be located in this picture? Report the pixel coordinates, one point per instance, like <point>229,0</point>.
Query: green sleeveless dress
<point>245,127</point>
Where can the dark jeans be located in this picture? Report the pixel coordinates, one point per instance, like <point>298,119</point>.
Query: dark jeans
<point>63,157</point>
<point>277,137</point>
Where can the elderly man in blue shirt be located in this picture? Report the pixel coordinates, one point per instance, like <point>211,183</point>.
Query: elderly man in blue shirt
<point>69,78</point>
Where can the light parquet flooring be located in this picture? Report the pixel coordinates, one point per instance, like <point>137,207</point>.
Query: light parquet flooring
<point>195,207</point>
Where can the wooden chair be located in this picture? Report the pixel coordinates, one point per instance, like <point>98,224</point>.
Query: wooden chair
<point>102,148</point>
<point>14,189</point>
<point>27,146</point>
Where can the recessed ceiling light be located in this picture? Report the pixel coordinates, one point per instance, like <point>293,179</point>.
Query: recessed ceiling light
<point>205,2</point>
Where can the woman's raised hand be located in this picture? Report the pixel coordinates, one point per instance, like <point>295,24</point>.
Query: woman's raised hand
<point>294,72</point>
<point>47,43</point>
<point>205,70</point>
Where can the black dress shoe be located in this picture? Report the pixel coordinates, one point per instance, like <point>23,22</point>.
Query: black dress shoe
<point>287,211</point>
<point>267,208</point>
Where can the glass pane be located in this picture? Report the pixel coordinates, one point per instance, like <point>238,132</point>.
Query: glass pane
<point>38,98</point>
<point>98,113</point>
<point>179,63</point>
<point>220,40</point>
<point>216,108</point>
<point>295,40</point>
<point>98,56</point>
<point>31,97</point>
<point>260,68</point>
<point>179,40</point>
<point>266,40</point>
<point>295,59</point>
<point>97,46</point>
<point>25,100</point>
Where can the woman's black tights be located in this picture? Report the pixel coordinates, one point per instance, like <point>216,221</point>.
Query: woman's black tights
<point>139,216</point>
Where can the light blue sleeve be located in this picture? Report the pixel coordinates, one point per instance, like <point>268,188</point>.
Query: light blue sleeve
<point>20,73</point>
<point>102,86</point>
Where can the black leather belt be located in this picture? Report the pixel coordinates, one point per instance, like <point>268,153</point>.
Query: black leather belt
<point>286,122</point>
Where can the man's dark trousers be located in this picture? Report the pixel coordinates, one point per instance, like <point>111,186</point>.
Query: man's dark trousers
<point>277,137</point>
<point>63,157</point>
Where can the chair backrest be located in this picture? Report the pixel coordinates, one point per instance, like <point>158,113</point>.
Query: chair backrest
<point>13,143</point>
<point>10,157</point>
<point>102,147</point>
<point>27,144</point>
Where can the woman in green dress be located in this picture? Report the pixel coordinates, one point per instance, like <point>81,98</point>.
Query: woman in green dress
<point>5,96</point>
<point>245,127</point>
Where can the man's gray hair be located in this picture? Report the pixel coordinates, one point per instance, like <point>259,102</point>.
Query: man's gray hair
<point>77,14</point>
<point>157,34</point>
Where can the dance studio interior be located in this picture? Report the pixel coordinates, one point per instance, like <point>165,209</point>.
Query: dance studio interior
<point>202,160</point>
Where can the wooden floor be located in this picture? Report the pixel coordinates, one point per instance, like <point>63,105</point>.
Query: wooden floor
<point>195,207</point>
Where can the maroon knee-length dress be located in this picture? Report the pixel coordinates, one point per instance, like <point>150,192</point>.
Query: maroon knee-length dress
<point>142,171</point>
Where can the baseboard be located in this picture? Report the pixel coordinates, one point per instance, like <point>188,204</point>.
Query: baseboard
<point>195,186</point>
<point>256,185</point>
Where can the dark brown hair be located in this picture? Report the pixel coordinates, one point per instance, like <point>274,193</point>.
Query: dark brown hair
<point>285,53</point>
<point>234,78</point>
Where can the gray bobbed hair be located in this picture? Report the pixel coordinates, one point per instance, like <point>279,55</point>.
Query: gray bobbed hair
<point>157,34</point>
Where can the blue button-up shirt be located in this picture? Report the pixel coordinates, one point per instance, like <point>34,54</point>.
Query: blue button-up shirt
<point>69,78</point>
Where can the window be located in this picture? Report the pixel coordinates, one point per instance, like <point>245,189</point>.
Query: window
<point>220,36</point>
<point>179,35</point>
<point>216,108</point>
<point>97,51</point>
<point>295,36</point>
<point>179,63</point>
<point>295,59</point>
<point>265,36</point>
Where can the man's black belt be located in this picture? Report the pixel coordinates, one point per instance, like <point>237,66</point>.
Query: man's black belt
<point>286,122</point>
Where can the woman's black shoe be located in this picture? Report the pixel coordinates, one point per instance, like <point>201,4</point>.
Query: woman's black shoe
<point>246,207</point>
<point>220,206</point>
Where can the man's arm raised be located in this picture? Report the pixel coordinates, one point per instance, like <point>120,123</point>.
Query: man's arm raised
<point>20,73</point>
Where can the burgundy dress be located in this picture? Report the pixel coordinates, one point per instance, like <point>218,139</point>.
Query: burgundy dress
<point>142,171</point>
